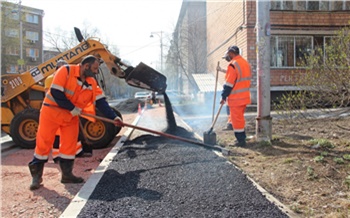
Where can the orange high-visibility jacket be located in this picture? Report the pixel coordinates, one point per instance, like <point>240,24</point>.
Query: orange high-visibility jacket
<point>66,81</point>
<point>54,118</point>
<point>238,76</point>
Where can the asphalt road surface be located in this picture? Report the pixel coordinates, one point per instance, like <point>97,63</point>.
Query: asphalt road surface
<point>157,177</point>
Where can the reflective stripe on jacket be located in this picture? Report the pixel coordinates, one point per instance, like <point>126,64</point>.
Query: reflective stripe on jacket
<point>238,76</point>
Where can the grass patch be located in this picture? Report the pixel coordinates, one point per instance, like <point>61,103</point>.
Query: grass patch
<point>346,156</point>
<point>288,160</point>
<point>319,159</point>
<point>311,175</point>
<point>338,160</point>
<point>323,143</point>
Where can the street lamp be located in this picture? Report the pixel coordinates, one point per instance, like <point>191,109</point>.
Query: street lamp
<point>160,35</point>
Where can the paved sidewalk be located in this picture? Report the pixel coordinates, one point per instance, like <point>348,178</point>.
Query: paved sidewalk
<point>152,176</point>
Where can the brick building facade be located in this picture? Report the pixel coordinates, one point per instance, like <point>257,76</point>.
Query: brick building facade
<point>297,27</point>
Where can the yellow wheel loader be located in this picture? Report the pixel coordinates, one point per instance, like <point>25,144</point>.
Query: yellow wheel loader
<point>22,94</point>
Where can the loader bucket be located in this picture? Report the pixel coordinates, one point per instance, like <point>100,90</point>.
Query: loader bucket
<point>145,77</point>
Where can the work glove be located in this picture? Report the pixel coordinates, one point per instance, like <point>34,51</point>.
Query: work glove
<point>218,68</point>
<point>118,121</point>
<point>75,112</point>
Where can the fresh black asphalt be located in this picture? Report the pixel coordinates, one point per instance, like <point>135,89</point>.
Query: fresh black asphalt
<point>157,177</point>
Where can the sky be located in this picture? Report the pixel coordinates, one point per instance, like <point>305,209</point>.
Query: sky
<point>127,24</point>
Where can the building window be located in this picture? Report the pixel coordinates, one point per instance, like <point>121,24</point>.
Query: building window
<point>303,48</point>
<point>32,36</point>
<point>32,52</point>
<point>300,5</point>
<point>289,51</point>
<point>11,50</point>
<point>313,5</point>
<point>12,13</point>
<point>282,5</point>
<point>32,18</point>
<point>12,33</point>
<point>310,5</point>
<point>11,69</point>
<point>347,5</point>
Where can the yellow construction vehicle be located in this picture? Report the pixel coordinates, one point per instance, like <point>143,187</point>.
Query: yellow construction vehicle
<point>22,94</point>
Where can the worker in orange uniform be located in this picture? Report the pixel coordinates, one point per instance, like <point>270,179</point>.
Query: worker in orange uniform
<point>55,150</point>
<point>74,90</point>
<point>236,91</point>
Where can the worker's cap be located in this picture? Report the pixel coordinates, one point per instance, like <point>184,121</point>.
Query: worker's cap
<point>233,49</point>
<point>60,63</point>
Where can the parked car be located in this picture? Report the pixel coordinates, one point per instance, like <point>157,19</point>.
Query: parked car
<point>143,96</point>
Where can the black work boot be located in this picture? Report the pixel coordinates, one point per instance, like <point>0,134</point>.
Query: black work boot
<point>241,137</point>
<point>36,170</point>
<point>66,170</point>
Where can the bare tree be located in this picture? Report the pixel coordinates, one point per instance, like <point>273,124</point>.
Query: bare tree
<point>62,40</point>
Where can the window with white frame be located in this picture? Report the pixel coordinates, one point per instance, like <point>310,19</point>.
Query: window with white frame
<point>310,5</point>
<point>289,51</point>
<point>33,36</point>
<point>32,18</point>
<point>9,32</point>
<point>32,52</point>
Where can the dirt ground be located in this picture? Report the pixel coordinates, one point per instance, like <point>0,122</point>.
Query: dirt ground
<point>306,166</point>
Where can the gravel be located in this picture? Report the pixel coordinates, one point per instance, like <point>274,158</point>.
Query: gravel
<point>157,177</point>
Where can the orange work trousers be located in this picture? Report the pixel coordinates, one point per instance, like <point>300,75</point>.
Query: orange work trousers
<point>237,117</point>
<point>51,119</point>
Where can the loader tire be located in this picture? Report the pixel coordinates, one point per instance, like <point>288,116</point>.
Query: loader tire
<point>24,127</point>
<point>99,133</point>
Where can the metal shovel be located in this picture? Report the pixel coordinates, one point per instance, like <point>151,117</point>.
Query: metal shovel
<point>213,147</point>
<point>209,137</point>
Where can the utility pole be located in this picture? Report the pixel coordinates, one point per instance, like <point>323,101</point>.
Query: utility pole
<point>263,120</point>
<point>21,61</point>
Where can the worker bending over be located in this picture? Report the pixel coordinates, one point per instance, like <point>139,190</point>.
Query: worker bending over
<point>236,91</point>
<point>56,143</point>
<point>74,90</point>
